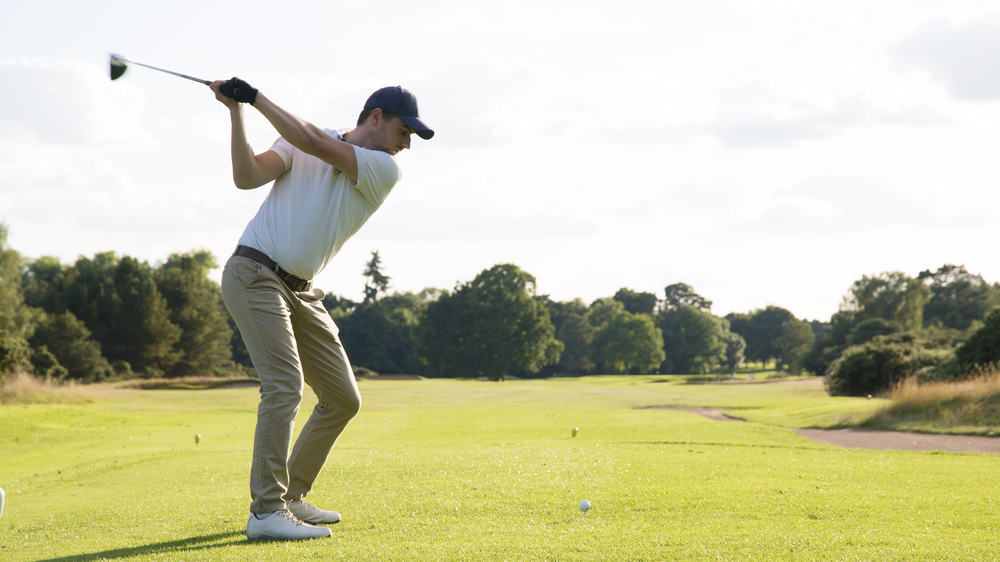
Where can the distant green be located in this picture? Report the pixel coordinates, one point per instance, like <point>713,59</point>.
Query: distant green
<point>472,470</point>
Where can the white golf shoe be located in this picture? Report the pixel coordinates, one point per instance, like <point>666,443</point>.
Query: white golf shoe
<point>312,514</point>
<point>283,526</point>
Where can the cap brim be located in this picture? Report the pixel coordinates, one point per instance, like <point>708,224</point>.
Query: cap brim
<point>422,130</point>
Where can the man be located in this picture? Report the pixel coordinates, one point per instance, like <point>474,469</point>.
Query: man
<point>326,185</point>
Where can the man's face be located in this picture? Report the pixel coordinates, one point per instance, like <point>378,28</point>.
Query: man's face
<point>392,135</point>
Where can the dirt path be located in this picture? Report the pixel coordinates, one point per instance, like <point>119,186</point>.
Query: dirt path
<point>713,413</point>
<point>862,438</point>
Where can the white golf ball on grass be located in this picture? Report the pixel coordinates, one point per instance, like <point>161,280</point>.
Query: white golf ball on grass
<point>585,506</point>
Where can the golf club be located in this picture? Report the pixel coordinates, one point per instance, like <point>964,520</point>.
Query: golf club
<point>119,65</point>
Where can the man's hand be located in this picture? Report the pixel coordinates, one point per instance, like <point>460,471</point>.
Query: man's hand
<point>226,101</point>
<point>238,90</point>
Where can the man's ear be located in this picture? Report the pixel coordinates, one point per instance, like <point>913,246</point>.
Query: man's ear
<point>375,116</point>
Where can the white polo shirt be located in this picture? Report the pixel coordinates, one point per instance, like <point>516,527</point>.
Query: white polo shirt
<point>313,208</point>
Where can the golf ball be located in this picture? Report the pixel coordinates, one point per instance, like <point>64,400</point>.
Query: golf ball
<point>575,431</point>
<point>197,439</point>
<point>584,506</point>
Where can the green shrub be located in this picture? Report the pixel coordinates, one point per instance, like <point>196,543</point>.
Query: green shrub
<point>874,367</point>
<point>15,354</point>
<point>46,365</point>
<point>983,346</point>
<point>70,342</point>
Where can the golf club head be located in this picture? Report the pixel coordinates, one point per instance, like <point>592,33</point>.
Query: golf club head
<point>118,66</point>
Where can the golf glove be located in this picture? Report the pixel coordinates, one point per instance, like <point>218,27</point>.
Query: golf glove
<point>239,90</point>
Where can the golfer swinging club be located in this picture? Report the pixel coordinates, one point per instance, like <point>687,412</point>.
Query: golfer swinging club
<point>326,185</point>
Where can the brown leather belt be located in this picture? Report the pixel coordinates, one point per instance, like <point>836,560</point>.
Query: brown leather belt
<point>292,282</point>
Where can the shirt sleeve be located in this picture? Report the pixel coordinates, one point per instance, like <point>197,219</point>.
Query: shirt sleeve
<point>377,174</point>
<point>284,149</point>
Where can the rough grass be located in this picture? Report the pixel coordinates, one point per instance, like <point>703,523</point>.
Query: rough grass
<point>970,406</point>
<point>23,388</point>
<point>469,470</point>
<point>189,383</point>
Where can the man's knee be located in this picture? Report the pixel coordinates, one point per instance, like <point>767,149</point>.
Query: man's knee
<point>347,405</point>
<point>351,404</point>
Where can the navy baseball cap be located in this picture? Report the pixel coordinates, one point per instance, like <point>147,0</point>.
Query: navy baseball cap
<point>398,101</point>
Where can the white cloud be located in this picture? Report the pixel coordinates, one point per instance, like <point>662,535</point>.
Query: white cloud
<point>962,56</point>
<point>747,121</point>
<point>67,101</point>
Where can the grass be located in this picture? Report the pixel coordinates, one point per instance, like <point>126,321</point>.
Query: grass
<point>23,388</point>
<point>971,407</point>
<point>469,470</point>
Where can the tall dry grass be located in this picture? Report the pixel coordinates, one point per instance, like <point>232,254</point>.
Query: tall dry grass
<point>967,406</point>
<point>25,388</point>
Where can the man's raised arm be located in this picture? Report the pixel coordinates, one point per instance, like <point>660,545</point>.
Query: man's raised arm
<point>249,170</point>
<point>301,134</point>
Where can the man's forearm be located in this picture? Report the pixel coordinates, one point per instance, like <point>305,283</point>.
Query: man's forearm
<point>308,138</point>
<point>242,153</point>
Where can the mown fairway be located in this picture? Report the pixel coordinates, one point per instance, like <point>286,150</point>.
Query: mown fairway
<point>441,469</point>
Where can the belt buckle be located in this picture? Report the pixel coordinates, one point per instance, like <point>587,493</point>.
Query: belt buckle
<point>294,283</point>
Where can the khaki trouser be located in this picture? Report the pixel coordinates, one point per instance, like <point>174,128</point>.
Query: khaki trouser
<point>291,338</point>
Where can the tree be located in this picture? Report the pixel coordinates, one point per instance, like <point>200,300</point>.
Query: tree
<point>379,334</point>
<point>681,294</point>
<point>338,306</point>
<point>775,334</point>
<point>694,340</point>
<point>957,298</point>
<point>891,296</point>
<point>492,326</point>
<point>69,342</point>
<point>118,301</point>
<point>982,348</point>
<point>868,330</point>
<point>576,334</point>
<point>602,310</point>
<point>16,322</point>
<point>794,344</point>
<point>636,303</point>
<point>735,348</point>
<point>627,343</point>
<point>196,307</point>
<point>762,332</point>
<point>738,321</point>
<point>42,283</point>
<point>375,281</point>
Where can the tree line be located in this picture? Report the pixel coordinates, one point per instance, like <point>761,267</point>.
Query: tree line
<point>113,317</point>
<point>117,317</point>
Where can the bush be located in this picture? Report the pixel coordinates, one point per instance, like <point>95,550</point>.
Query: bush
<point>72,346</point>
<point>46,365</point>
<point>874,367</point>
<point>982,347</point>
<point>15,354</point>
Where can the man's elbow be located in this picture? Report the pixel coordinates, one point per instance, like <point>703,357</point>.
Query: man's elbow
<point>314,141</point>
<point>245,182</point>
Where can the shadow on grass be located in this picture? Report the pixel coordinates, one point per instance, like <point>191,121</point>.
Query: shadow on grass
<point>189,544</point>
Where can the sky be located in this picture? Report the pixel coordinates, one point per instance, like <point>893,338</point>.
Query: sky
<point>765,153</point>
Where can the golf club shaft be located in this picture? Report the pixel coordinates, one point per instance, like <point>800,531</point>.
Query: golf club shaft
<point>206,82</point>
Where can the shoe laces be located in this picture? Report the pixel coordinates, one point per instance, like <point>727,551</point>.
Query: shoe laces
<point>291,517</point>
<point>307,506</point>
